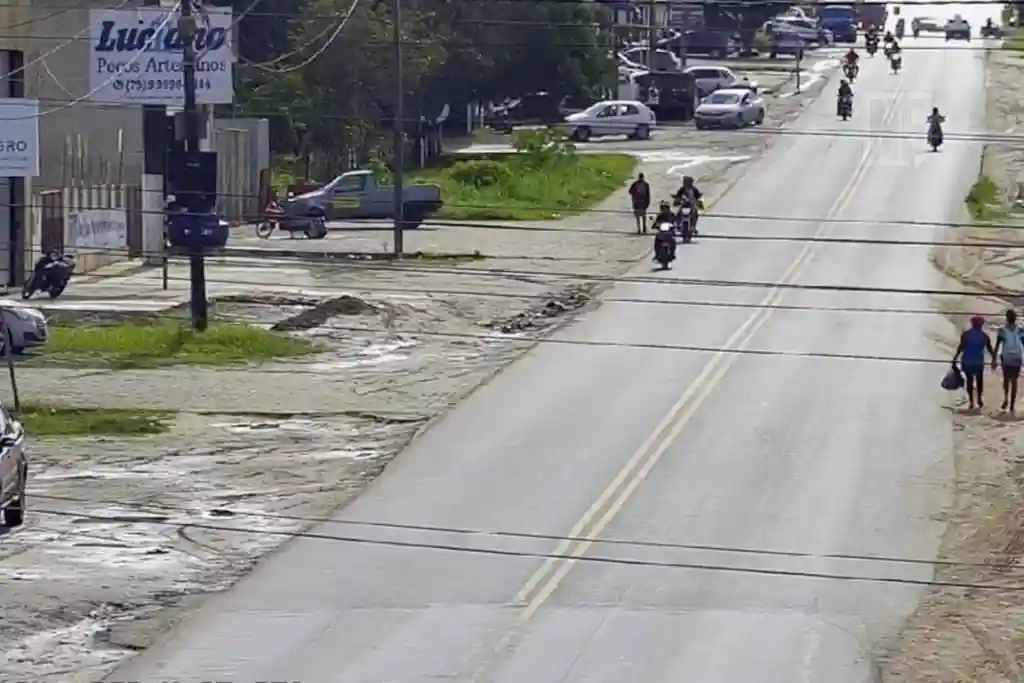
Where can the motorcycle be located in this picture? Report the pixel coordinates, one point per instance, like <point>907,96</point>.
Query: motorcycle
<point>896,61</point>
<point>664,248</point>
<point>935,137</point>
<point>990,30</point>
<point>51,274</point>
<point>276,218</point>
<point>871,46</point>
<point>685,219</point>
<point>850,70</point>
<point>845,107</point>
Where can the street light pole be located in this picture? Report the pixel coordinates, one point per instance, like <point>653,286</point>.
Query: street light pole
<point>399,135</point>
<point>190,178</point>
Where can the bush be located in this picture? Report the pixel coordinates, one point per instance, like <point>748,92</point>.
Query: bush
<point>541,147</point>
<point>480,173</point>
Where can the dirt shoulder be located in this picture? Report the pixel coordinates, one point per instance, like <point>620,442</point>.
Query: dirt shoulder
<point>125,536</point>
<point>973,634</point>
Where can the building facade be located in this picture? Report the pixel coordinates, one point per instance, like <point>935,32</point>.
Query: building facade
<point>45,55</point>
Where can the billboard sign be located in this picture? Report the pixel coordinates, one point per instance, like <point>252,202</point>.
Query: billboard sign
<point>19,138</point>
<point>135,57</point>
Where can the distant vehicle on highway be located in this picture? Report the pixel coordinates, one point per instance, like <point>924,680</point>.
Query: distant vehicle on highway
<point>359,195</point>
<point>919,25</point>
<point>712,78</point>
<point>958,28</point>
<point>806,29</point>
<point>612,117</point>
<point>730,108</point>
<point>26,326</point>
<point>841,20</point>
<point>13,471</point>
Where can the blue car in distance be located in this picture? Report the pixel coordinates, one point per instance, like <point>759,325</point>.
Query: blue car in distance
<point>841,20</point>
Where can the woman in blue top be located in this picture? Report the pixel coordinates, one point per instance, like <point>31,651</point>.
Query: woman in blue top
<point>974,342</point>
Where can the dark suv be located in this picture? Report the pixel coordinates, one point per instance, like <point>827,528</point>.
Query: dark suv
<point>13,470</point>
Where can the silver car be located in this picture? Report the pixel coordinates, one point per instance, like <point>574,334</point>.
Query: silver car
<point>26,326</point>
<point>730,108</point>
<point>13,471</point>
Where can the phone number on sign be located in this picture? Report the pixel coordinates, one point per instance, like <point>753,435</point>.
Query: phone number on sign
<point>156,84</point>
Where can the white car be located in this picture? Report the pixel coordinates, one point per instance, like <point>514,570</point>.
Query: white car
<point>730,108</point>
<point>26,326</point>
<point>925,25</point>
<point>612,117</point>
<point>957,28</point>
<point>13,471</point>
<point>711,78</point>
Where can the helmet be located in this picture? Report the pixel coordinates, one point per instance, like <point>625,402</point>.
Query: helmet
<point>664,206</point>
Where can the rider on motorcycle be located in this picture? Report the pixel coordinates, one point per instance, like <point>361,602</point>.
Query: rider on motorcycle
<point>935,121</point>
<point>845,91</point>
<point>664,214</point>
<point>664,242</point>
<point>690,192</point>
<point>850,60</point>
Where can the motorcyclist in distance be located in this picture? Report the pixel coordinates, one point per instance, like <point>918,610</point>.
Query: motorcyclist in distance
<point>844,91</point>
<point>935,121</point>
<point>850,60</point>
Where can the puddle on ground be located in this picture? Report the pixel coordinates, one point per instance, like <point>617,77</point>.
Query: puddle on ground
<point>296,425</point>
<point>375,354</point>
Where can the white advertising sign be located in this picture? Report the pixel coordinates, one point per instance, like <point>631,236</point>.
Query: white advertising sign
<point>19,138</point>
<point>135,57</point>
<point>100,229</point>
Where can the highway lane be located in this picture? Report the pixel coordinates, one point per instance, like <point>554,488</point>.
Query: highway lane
<point>799,454</point>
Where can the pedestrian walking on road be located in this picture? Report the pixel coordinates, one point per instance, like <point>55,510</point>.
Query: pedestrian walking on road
<point>974,342</point>
<point>1011,344</point>
<point>640,196</point>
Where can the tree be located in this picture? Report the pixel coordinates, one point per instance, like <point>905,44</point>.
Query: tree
<point>454,52</point>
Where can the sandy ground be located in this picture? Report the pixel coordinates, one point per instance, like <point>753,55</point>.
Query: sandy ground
<point>976,635</point>
<point>124,536</point>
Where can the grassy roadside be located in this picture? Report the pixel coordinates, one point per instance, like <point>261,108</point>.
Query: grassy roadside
<point>43,420</point>
<point>127,346</point>
<point>515,188</point>
<point>983,200</point>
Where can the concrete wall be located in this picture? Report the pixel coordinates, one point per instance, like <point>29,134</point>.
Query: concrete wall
<point>243,149</point>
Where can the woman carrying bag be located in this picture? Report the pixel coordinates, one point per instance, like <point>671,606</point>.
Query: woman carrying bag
<point>974,342</point>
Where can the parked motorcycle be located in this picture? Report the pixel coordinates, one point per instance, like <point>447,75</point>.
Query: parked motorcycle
<point>276,218</point>
<point>664,246</point>
<point>51,274</point>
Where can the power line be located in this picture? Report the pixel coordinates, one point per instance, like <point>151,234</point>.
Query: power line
<point>266,66</point>
<point>485,533</point>
<point>597,559</point>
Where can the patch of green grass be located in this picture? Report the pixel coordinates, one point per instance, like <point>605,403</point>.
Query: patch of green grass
<point>1015,42</point>
<point>42,420</point>
<point>144,346</point>
<point>983,199</point>
<point>514,189</point>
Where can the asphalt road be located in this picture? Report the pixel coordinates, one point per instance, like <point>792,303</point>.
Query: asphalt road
<point>809,455</point>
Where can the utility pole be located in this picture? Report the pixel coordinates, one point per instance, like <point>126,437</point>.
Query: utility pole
<point>154,195</point>
<point>399,134</point>
<point>190,178</point>
<point>650,36</point>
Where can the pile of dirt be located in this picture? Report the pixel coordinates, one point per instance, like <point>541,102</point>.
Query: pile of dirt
<point>551,310</point>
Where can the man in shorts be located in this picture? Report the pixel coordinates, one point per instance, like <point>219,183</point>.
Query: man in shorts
<point>640,196</point>
<point>1010,341</point>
